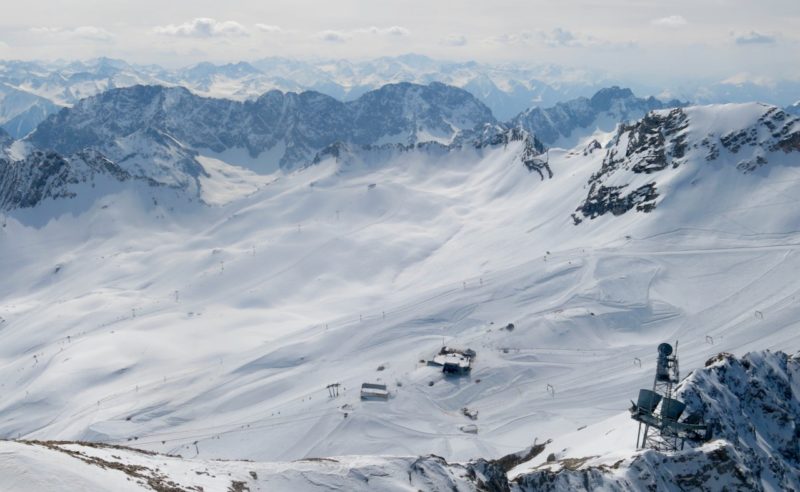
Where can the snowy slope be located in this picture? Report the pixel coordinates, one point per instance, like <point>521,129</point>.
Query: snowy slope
<point>212,331</point>
<point>754,402</point>
<point>33,467</point>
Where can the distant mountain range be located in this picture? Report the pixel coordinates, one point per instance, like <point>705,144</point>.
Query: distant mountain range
<point>158,133</point>
<point>160,136</point>
<point>29,91</point>
<point>148,129</point>
<point>505,89</point>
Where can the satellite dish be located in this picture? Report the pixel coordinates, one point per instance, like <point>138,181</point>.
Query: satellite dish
<point>665,349</point>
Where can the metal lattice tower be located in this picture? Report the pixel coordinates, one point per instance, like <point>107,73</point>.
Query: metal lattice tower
<point>659,412</point>
<point>662,437</point>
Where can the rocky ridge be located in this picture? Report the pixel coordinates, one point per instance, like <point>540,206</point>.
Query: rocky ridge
<point>664,143</point>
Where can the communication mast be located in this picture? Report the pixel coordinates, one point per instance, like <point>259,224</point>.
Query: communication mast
<point>662,430</point>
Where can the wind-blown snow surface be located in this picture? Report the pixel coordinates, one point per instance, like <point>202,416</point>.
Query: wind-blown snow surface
<point>162,325</point>
<point>752,403</point>
<point>74,466</point>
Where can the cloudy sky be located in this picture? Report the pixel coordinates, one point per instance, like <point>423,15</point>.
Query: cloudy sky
<point>759,40</point>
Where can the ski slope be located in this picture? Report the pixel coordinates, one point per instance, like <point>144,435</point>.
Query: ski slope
<point>212,331</point>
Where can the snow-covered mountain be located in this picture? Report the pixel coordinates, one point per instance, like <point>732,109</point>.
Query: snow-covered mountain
<point>42,176</point>
<point>651,155</point>
<point>156,131</point>
<point>21,111</point>
<point>213,329</point>
<point>5,140</point>
<point>505,89</point>
<point>65,83</point>
<point>568,123</point>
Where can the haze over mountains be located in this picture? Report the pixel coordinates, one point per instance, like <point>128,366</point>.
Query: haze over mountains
<point>29,91</point>
<point>186,274</point>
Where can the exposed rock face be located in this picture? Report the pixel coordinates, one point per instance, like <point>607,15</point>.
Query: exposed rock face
<point>297,125</point>
<point>654,143</point>
<point>665,142</point>
<point>156,134</point>
<point>5,140</point>
<point>561,120</point>
<point>48,175</point>
<point>754,403</point>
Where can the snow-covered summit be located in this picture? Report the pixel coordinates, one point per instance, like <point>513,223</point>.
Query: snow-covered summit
<point>286,128</point>
<point>568,123</point>
<point>707,148</point>
<point>41,88</point>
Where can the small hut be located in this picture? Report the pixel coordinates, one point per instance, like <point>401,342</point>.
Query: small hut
<point>373,391</point>
<point>453,361</point>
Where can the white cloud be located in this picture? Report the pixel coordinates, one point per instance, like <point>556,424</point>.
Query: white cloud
<point>389,31</point>
<point>748,78</point>
<point>754,37</point>
<point>454,40</point>
<point>523,37</point>
<point>90,33</point>
<point>558,38</point>
<point>203,27</point>
<point>672,21</point>
<point>268,28</point>
<point>331,36</point>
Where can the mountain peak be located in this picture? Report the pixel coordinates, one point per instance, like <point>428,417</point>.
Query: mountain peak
<point>147,129</point>
<point>604,98</point>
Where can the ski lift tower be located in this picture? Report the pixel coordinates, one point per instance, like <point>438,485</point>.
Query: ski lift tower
<point>667,434</point>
